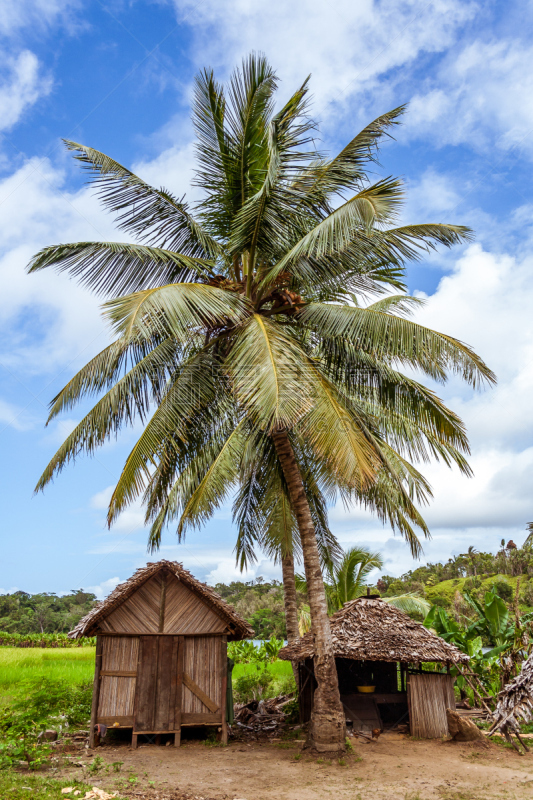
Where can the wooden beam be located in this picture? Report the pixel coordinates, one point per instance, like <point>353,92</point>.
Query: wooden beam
<point>224,686</point>
<point>162,601</point>
<point>118,673</point>
<point>200,694</point>
<point>179,692</point>
<point>96,688</point>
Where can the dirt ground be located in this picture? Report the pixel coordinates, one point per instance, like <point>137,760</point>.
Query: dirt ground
<point>393,767</point>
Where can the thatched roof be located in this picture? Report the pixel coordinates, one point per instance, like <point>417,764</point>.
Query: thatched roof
<point>368,629</point>
<point>87,626</point>
<point>515,701</point>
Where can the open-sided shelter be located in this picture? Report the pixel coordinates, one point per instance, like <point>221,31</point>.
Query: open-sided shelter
<point>377,645</point>
<point>161,660</point>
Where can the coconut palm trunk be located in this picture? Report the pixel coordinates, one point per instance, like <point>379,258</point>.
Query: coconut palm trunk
<point>327,729</point>
<point>289,601</point>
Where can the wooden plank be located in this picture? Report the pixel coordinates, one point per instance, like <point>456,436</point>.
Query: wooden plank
<point>162,602</point>
<point>224,686</point>
<point>427,709</point>
<point>164,672</point>
<point>96,688</point>
<point>146,683</point>
<point>139,613</point>
<point>200,694</point>
<point>117,673</point>
<point>178,700</point>
<point>200,719</point>
<point>123,722</point>
<point>134,741</point>
<point>186,613</point>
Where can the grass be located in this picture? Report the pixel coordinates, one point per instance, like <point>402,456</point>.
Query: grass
<point>22,786</point>
<point>20,664</point>
<point>450,587</point>
<point>75,666</point>
<point>279,669</point>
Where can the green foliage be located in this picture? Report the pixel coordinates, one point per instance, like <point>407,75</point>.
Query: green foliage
<point>45,613</point>
<point>255,685</point>
<point>44,640</point>
<point>21,666</point>
<point>246,652</point>
<point>504,590</point>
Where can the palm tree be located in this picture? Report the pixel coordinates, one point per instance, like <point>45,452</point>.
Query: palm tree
<point>345,581</point>
<point>238,334</point>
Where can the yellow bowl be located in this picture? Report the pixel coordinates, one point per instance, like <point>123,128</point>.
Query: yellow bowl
<point>366,689</point>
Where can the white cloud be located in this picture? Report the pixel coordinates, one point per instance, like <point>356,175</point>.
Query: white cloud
<point>15,417</point>
<point>16,15</point>
<point>347,46</point>
<point>48,322</point>
<point>101,590</point>
<point>21,85</point>
<point>480,96</point>
<point>10,591</point>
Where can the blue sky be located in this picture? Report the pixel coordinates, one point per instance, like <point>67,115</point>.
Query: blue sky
<point>117,76</point>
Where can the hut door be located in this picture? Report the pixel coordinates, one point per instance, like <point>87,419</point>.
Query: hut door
<point>204,680</point>
<point>157,698</point>
<point>428,696</point>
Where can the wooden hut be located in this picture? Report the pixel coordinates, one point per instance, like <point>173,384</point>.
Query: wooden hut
<point>161,661</point>
<point>376,645</point>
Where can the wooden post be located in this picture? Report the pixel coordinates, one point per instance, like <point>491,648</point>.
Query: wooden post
<point>224,687</point>
<point>96,689</point>
<point>162,601</point>
<point>134,741</point>
<point>179,692</point>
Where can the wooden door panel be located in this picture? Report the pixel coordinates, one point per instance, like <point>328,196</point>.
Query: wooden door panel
<point>157,702</point>
<point>429,694</point>
<point>202,679</point>
<point>117,680</point>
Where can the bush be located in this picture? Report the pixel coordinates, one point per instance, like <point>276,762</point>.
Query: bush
<point>253,686</point>
<point>526,595</point>
<point>441,601</point>
<point>503,590</point>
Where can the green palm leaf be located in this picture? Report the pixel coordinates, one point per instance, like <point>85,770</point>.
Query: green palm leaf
<point>116,268</point>
<point>153,214</point>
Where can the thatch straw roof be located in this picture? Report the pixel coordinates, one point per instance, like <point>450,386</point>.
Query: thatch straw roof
<point>88,625</point>
<point>515,701</point>
<point>368,629</point>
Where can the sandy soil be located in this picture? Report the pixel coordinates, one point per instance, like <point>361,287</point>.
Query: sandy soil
<point>393,767</point>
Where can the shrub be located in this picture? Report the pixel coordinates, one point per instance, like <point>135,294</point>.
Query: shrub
<point>253,686</point>
<point>441,601</point>
<point>526,595</point>
<point>503,590</point>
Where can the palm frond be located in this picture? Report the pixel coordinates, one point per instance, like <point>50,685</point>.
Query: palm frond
<point>348,170</point>
<point>119,268</point>
<point>266,370</point>
<point>179,309</point>
<point>391,338</point>
<point>154,215</point>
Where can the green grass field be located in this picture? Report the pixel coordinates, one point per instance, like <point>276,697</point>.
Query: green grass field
<point>74,666</point>
<point>20,664</point>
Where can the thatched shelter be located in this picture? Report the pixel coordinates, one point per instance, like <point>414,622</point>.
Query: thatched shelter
<point>515,703</point>
<point>161,660</point>
<point>377,645</point>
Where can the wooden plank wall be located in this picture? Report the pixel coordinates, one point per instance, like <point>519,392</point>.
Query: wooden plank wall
<point>202,662</point>
<point>163,605</point>
<point>429,694</point>
<point>117,691</point>
<point>186,613</point>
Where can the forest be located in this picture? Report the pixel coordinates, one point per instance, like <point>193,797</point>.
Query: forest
<point>260,601</point>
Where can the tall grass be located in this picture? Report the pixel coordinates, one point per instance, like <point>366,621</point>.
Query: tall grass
<point>17,666</point>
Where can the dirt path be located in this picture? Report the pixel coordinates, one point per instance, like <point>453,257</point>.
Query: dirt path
<point>394,767</point>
